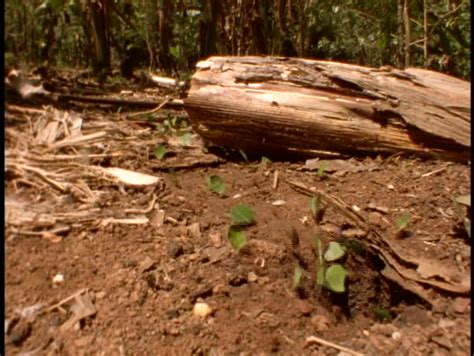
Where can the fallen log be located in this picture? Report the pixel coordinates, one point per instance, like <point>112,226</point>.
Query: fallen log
<point>269,105</point>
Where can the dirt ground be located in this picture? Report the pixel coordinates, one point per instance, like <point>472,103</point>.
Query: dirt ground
<point>99,267</point>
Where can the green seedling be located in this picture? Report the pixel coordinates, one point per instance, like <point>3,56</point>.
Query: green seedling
<point>322,169</point>
<point>242,215</point>
<point>216,184</point>
<point>334,276</point>
<point>315,206</point>
<point>237,237</point>
<point>161,151</point>
<point>403,221</point>
<point>264,162</point>
<point>382,314</point>
<point>297,276</point>
<point>321,265</point>
<point>403,224</point>
<point>335,251</point>
<point>186,139</point>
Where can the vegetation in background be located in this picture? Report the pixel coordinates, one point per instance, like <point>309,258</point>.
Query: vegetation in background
<point>172,35</point>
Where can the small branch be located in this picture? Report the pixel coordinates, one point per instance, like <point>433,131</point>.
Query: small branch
<point>317,340</point>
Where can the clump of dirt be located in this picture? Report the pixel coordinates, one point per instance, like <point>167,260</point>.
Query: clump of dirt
<point>135,260</point>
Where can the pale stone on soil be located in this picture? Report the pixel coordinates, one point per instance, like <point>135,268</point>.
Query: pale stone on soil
<point>202,310</point>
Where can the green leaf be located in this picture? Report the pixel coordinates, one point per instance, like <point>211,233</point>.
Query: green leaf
<point>161,151</point>
<point>335,278</point>
<point>237,238</point>
<point>216,184</point>
<point>334,252</point>
<point>242,215</point>
<point>403,221</point>
<point>186,139</point>
<point>265,161</point>
<point>297,276</point>
<point>322,169</point>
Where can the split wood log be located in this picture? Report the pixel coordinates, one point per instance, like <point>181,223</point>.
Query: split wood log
<point>269,105</point>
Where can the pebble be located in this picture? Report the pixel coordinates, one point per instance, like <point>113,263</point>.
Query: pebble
<point>58,279</point>
<point>194,230</point>
<point>202,310</point>
<point>252,277</point>
<point>146,264</point>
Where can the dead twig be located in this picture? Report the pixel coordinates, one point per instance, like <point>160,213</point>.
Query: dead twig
<point>143,211</point>
<point>316,340</point>
<point>158,108</point>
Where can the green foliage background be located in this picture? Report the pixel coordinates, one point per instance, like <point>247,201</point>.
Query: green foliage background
<point>362,32</point>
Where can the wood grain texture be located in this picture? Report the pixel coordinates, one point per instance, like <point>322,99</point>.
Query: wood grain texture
<point>302,107</point>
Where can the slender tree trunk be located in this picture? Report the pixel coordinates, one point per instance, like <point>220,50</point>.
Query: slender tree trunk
<point>425,30</point>
<point>401,35</point>
<point>152,38</point>
<point>406,22</point>
<point>97,29</point>
<point>165,19</point>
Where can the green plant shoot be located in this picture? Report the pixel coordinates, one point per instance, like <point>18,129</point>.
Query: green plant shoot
<point>322,169</point>
<point>242,215</point>
<point>161,151</point>
<point>216,184</point>
<point>297,276</point>
<point>335,277</point>
<point>334,252</point>
<point>403,221</point>
<point>237,238</point>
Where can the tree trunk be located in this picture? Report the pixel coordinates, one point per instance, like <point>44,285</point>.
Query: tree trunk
<point>97,28</point>
<point>287,106</point>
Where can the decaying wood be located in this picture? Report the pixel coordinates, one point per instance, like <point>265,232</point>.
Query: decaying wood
<point>305,107</point>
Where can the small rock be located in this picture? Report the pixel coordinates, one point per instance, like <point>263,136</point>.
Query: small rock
<point>202,310</point>
<point>466,252</point>
<point>320,323</point>
<point>353,233</point>
<point>461,305</point>
<point>305,308</point>
<point>396,335</point>
<point>384,329</point>
<point>446,323</point>
<point>216,239</point>
<point>237,281</point>
<point>157,217</point>
<point>146,265</point>
<point>194,230</point>
<point>442,340</point>
<point>84,341</point>
<point>391,187</point>
<point>376,208</point>
<point>175,249</point>
<point>375,218</point>
<point>58,279</point>
<point>220,289</point>
<point>100,295</point>
<point>252,277</point>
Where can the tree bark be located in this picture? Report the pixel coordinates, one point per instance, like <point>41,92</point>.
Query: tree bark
<point>295,106</point>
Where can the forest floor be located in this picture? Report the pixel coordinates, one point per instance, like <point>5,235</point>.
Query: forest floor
<point>97,266</point>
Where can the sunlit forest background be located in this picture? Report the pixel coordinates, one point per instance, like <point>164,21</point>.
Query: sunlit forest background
<point>172,35</point>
